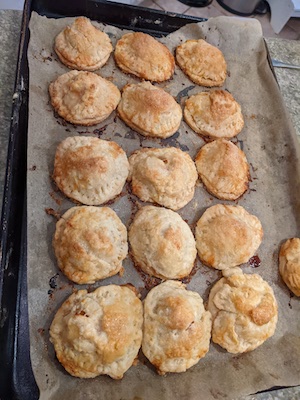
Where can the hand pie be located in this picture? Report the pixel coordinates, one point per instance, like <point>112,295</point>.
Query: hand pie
<point>145,57</point>
<point>223,169</point>
<point>98,333</point>
<point>162,243</point>
<point>227,236</point>
<point>164,176</point>
<point>90,243</point>
<point>149,110</point>
<point>289,264</point>
<point>82,46</point>
<point>83,98</point>
<point>203,63</point>
<point>214,114</point>
<point>244,312</point>
<point>177,329</point>
<point>90,170</point>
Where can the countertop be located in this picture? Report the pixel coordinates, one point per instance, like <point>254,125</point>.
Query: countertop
<point>289,82</point>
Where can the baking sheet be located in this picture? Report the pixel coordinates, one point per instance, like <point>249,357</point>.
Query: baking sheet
<point>271,148</point>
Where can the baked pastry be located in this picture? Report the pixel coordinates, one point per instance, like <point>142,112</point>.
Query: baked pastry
<point>164,176</point>
<point>203,63</point>
<point>82,46</point>
<point>214,114</point>
<point>227,236</point>
<point>223,168</point>
<point>177,329</point>
<point>90,243</point>
<point>98,333</point>
<point>162,243</point>
<point>244,312</point>
<point>289,264</point>
<point>90,170</point>
<point>149,110</point>
<point>145,57</point>
<point>83,98</point>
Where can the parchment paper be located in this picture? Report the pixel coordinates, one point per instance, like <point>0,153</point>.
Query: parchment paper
<point>269,143</point>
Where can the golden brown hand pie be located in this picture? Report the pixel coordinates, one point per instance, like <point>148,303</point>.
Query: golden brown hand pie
<point>223,168</point>
<point>244,312</point>
<point>83,98</point>
<point>214,114</point>
<point>227,236</point>
<point>203,63</point>
<point>162,243</point>
<point>177,329</point>
<point>90,243</point>
<point>90,170</point>
<point>149,110</point>
<point>141,55</point>
<point>289,264</point>
<point>164,176</point>
<point>82,46</point>
<point>98,333</point>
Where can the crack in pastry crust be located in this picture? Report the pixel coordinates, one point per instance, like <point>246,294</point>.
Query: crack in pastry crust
<point>83,98</point>
<point>227,236</point>
<point>82,46</point>
<point>203,63</point>
<point>289,264</point>
<point>145,57</point>
<point>149,110</point>
<point>90,243</point>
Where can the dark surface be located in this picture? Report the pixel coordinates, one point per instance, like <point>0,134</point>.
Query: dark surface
<point>16,377</point>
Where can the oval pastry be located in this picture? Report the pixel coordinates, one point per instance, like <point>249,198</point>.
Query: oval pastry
<point>227,236</point>
<point>82,46</point>
<point>203,63</point>
<point>289,264</point>
<point>90,170</point>
<point>214,114</point>
<point>162,243</point>
<point>149,110</point>
<point>145,57</point>
<point>177,329</point>
<point>83,98</point>
<point>244,312</point>
<point>223,168</point>
<point>98,333</point>
<point>90,243</point>
<point>164,176</point>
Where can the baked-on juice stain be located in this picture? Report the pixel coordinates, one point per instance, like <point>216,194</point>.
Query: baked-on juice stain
<point>254,262</point>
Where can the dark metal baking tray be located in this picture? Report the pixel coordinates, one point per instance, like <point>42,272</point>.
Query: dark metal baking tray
<point>16,377</point>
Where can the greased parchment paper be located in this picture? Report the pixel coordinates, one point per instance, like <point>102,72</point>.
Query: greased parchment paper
<point>268,141</point>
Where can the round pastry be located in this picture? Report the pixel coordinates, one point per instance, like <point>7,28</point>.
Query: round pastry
<point>214,114</point>
<point>223,168</point>
<point>90,170</point>
<point>164,176</point>
<point>83,98</point>
<point>227,236</point>
<point>162,243</point>
<point>177,329</point>
<point>82,46</point>
<point>98,333</point>
<point>244,312</point>
<point>141,55</point>
<point>149,110</point>
<point>90,243</point>
<point>289,264</point>
<point>203,63</point>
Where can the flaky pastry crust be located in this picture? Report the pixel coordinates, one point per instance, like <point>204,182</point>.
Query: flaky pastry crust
<point>83,98</point>
<point>82,46</point>
<point>141,55</point>
<point>90,243</point>
<point>98,333</point>
<point>149,110</point>
<point>177,328</point>
<point>289,264</point>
